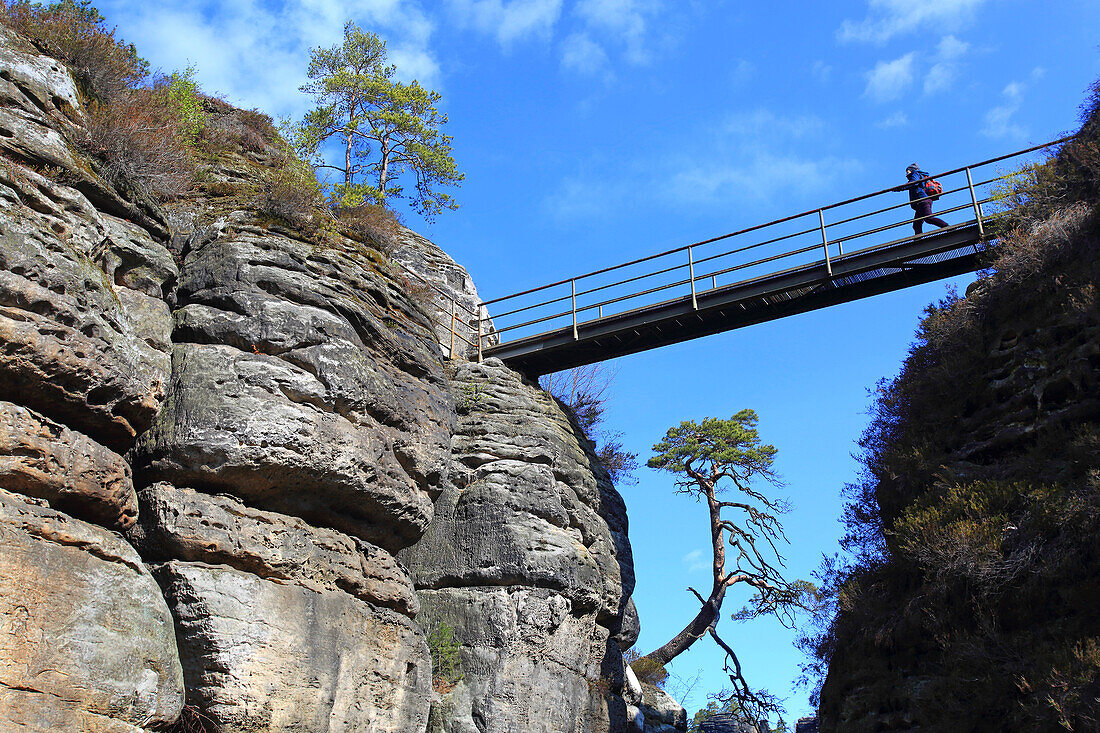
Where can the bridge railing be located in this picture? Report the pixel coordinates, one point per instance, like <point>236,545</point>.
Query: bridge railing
<point>811,238</point>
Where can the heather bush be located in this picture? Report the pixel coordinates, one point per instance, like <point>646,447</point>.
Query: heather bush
<point>104,66</point>
<point>140,143</point>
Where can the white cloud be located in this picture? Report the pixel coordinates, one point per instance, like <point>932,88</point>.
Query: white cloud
<point>580,53</point>
<point>889,18</point>
<point>999,122</point>
<point>623,22</point>
<point>694,561</point>
<point>898,119</point>
<point>256,54</point>
<point>822,71</point>
<point>890,79</point>
<point>759,176</point>
<point>742,71</point>
<point>508,21</point>
<point>748,159</point>
<point>942,75</point>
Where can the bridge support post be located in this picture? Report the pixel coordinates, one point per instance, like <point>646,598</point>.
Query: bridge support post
<point>573,288</point>
<point>825,242</point>
<point>691,274</point>
<point>479,319</point>
<point>977,206</point>
<point>453,315</point>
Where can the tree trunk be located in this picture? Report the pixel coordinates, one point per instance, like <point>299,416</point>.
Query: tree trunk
<point>709,614</point>
<point>347,162</point>
<point>384,173</point>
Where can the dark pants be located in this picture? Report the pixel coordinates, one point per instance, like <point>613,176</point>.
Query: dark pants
<point>923,213</point>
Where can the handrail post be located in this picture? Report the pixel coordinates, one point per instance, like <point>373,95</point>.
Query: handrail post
<point>714,282</point>
<point>573,287</point>
<point>825,242</point>
<point>452,354</point>
<point>691,274</point>
<point>977,206</point>
<point>479,319</point>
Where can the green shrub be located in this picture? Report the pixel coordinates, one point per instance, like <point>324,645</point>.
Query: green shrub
<point>645,669</point>
<point>446,660</point>
<point>183,98</point>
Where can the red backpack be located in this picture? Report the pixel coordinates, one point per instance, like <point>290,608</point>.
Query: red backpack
<point>932,189</point>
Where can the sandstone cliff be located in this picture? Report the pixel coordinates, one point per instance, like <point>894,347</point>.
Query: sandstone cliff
<point>239,479</point>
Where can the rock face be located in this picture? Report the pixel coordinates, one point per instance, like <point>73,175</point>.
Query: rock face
<point>261,655</point>
<point>527,559</point>
<point>265,414</point>
<point>445,286</point>
<point>86,640</point>
<point>193,526</point>
<point>305,382</point>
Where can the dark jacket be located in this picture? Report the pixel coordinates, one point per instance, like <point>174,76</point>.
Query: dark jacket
<point>916,186</point>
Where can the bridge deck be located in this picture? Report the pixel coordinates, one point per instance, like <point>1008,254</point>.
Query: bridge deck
<point>859,274</point>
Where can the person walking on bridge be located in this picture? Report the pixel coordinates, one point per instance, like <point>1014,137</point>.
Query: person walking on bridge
<point>919,199</point>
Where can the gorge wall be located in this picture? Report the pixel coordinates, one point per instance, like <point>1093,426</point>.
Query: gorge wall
<point>976,604</point>
<point>239,483</point>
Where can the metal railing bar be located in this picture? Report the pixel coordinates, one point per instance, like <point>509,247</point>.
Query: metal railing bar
<point>910,220</point>
<point>905,222</point>
<point>892,189</point>
<point>741,283</point>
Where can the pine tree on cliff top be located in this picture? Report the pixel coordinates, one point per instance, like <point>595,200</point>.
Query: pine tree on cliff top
<point>389,131</point>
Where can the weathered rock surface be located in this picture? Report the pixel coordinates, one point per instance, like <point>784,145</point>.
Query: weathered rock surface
<point>261,655</point>
<point>304,382</point>
<point>86,640</point>
<point>75,474</point>
<point>189,525</point>
<point>527,559</point>
<point>451,288</point>
<point>660,712</point>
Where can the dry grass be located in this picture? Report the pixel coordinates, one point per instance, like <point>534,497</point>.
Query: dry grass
<point>139,141</point>
<point>377,225</point>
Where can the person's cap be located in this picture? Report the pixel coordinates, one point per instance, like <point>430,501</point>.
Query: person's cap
<point>913,167</point>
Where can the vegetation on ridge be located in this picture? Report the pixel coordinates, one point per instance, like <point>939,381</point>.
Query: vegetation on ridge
<point>970,589</point>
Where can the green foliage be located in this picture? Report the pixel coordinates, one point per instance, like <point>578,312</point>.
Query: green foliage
<point>647,671</point>
<point>182,92</point>
<point>74,31</point>
<point>390,131</point>
<point>446,659</point>
<point>731,447</point>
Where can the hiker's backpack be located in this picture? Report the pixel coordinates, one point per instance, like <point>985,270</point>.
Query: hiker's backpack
<point>932,189</point>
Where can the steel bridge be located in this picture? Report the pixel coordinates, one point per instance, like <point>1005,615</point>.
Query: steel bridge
<point>834,254</point>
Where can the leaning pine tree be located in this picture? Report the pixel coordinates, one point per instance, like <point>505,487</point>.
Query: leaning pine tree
<point>388,131</point>
<point>711,458</point>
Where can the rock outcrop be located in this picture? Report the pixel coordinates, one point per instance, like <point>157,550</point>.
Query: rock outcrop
<point>219,432</point>
<point>88,642</point>
<point>527,559</point>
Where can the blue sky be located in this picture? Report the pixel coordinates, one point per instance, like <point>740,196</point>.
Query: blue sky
<point>594,131</point>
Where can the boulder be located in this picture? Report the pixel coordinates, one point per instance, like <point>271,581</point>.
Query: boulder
<point>86,640</point>
<point>265,655</point>
<point>43,459</point>
<point>184,524</point>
